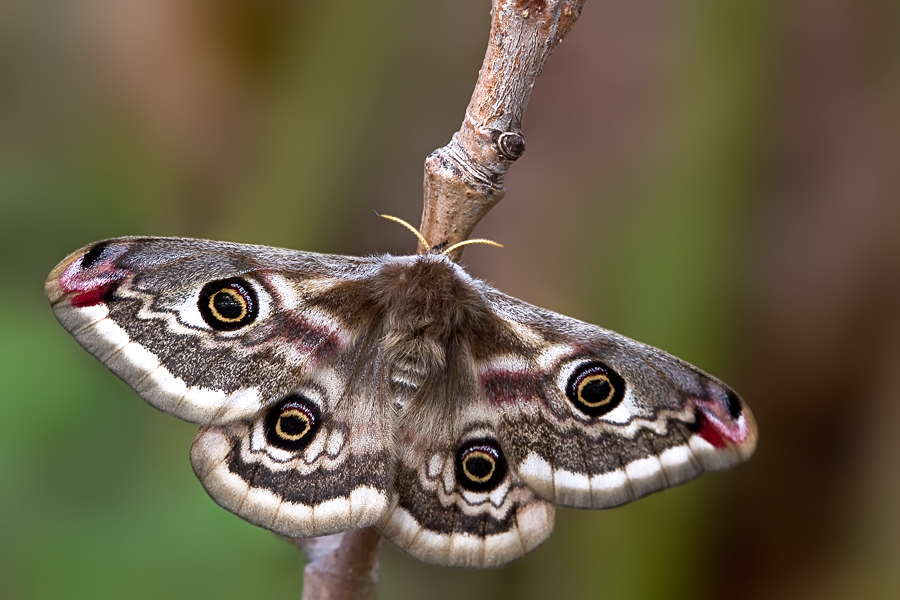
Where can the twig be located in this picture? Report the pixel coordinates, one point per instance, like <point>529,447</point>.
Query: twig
<point>342,566</point>
<point>463,181</point>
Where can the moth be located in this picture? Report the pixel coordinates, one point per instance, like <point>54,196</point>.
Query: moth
<point>398,392</point>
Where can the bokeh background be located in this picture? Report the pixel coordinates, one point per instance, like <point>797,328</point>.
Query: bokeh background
<point>720,179</point>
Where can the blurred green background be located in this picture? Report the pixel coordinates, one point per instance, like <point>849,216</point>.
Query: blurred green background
<point>720,179</point>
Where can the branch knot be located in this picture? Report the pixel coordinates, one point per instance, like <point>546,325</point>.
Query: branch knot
<point>508,144</point>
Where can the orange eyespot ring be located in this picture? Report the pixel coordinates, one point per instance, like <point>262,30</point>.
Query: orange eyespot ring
<point>590,390</point>
<point>292,423</point>
<point>228,304</point>
<point>595,389</point>
<point>480,465</point>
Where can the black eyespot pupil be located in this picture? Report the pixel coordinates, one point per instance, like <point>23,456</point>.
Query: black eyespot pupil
<point>595,389</point>
<point>292,423</point>
<point>228,305</point>
<point>480,465</point>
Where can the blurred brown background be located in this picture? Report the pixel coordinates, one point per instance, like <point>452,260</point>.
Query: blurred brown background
<point>720,179</point>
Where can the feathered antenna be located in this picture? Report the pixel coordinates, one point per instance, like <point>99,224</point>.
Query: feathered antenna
<point>467,242</point>
<point>427,245</point>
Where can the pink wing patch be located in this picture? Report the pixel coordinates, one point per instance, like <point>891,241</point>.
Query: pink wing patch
<point>91,276</point>
<point>721,425</point>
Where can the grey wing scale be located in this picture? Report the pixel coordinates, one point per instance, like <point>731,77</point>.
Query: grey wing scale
<point>318,462</point>
<point>134,303</point>
<point>261,360</point>
<point>592,419</point>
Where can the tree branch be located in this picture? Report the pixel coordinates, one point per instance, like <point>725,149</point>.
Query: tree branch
<point>342,566</point>
<point>463,181</point>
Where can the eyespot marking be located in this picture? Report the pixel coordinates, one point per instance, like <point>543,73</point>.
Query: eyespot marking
<point>480,465</point>
<point>228,304</point>
<point>91,256</point>
<point>734,404</point>
<point>292,423</point>
<point>595,389</point>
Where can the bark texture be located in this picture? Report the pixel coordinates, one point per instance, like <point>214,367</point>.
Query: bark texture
<point>342,566</point>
